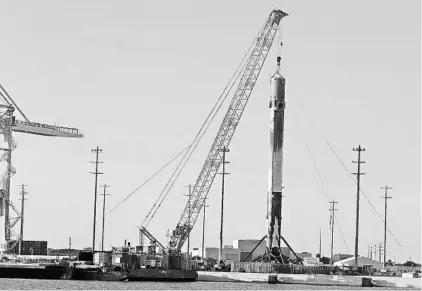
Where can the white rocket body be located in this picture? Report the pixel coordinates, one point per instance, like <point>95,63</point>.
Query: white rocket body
<point>277,105</point>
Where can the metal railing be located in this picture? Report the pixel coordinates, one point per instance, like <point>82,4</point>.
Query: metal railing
<point>47,126</point>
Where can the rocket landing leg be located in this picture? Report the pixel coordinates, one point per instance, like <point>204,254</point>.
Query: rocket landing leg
<point>274,221</point>
<point>275,255</point>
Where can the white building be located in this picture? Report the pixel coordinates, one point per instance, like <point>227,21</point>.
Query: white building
<point>247,245</point>
<point>362,261</point>
<point>229,254</point>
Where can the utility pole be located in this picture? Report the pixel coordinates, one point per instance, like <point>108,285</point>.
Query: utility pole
<point>168,237</point>
<point>320,255</point>
<point>189,215</point>
<point>386,188</point>
<point>224,150</point>
<point>332,209</point>
<point>203,229</point>
<point>96,173</point>
<point>370,254</point>
<point>23,193</point>
<point>358,174</point>
<point>104,202</point>
<point>380,251</point>
<point>375,252</point>
<point>70,246</point>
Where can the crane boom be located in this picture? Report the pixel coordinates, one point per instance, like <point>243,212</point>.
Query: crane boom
<point>151,237</point>
<point>225,133</point>
<point>45,129</point>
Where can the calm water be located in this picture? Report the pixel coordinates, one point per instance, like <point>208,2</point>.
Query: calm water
<point>29,284</point>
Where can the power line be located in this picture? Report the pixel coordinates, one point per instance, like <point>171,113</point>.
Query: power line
<point>241,67</point>
<point>361,191</point>
<point>147,180</point>
<point>348,172</point>
<point>318,173</point>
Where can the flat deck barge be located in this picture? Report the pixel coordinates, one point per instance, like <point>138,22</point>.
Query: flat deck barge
<point>33,271</point>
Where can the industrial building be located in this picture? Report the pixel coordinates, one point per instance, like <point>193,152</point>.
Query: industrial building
<point>241,249</point>
<point>229,254</point>
<point>362,262</point>
<point>247,245</point>
<point>339,257</point>
<point>301,255</point>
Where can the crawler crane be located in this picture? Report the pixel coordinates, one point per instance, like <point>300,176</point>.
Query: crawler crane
<point>249,75</point>
<point>227,129</point>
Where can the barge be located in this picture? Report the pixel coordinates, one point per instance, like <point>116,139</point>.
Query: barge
<point>34,271</point>
<point>132,264</point>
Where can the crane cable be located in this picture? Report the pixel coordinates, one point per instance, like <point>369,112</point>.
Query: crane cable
<point>185,158</point>
<point>351,176</point>
<point>146,181</point>
<point>318,174</point>
<point>361,191</point>
<point>200,133</point>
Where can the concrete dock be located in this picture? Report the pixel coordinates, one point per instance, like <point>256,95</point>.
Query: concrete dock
<point>327,280</point>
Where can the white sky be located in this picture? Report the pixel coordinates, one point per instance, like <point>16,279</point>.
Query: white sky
<point>139,77</point>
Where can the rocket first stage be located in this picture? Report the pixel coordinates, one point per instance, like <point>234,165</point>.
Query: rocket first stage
<point>277,105</point>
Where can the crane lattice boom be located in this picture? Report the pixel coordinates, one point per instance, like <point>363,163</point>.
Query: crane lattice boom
<point>8,125</point>
<point>225,133</point>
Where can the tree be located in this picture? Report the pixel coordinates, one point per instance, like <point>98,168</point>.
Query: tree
<point>389,263</point>
<point>409,264</point>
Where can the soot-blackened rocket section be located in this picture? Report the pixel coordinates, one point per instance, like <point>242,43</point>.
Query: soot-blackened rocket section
<point>277,105</point>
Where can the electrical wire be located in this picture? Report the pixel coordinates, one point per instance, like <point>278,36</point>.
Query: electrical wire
<point>192,147</point>
<point>361,191</point>
<point>318,174</point>
<point>186,157</point>
<point>146,181</point>
<point>351,176</point>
